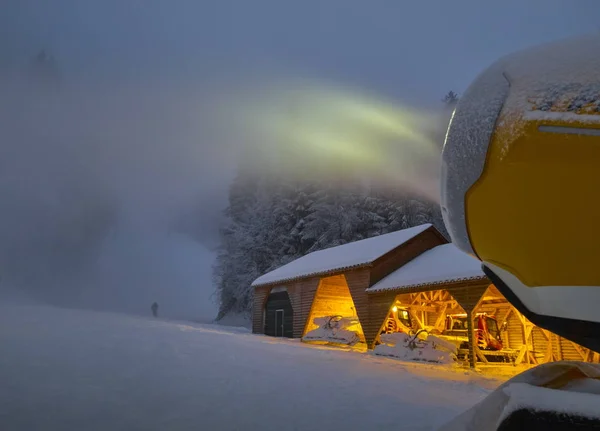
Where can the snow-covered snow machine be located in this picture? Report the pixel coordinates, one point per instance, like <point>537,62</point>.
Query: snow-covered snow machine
<point>399,339</point>
<point>337,330</point>
<point>520,182</point>
<point>487,335</point>
<point>417,346</point>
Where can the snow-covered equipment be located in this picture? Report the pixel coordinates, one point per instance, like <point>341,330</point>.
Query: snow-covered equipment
<point>398,320</point>
<point>552,396</point>
<point>524,144</point>
<point>417,346</point>
<point>335,330</point>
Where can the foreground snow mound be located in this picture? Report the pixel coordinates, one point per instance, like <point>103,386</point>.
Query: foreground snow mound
<point>565,388</point>
<point>334,330</point>
<point>236,320</point>
<point>410,348</point>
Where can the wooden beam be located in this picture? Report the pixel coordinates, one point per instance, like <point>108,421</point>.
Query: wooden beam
<point>521,354</point>
<point>549,348</point>
<point>493,298</point>
<point>505,321</point>
<point>469,297</point>
<point>441,320</point>
<point>579,350</point>
<point>414,316</point>
<point>480,354</point>
<point>426,308</point>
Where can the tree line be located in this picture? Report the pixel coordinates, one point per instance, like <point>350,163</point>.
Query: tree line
<point>274,217</point>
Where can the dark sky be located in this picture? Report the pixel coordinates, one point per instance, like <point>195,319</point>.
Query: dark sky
<point>414,50</point>
<point>143,78</point>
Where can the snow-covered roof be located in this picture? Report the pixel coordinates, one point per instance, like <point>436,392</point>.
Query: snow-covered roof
<point>441,264</point>
<point>342,257</point>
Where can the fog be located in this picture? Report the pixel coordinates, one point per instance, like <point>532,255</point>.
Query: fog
<point>110,194</point>
<point>115,165</point>
<point>112,191</point>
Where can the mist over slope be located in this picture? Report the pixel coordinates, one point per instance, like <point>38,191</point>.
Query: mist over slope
<point>110,193</point>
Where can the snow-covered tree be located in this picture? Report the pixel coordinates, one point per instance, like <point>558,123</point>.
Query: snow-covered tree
<point>275,216</point>
<point>450,99</point>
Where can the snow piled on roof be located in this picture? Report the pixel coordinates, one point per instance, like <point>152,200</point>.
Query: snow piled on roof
<point>349,255</point>
<point>444,263</point>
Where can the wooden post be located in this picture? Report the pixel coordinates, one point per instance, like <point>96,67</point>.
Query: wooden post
<point>471,340</point>
<point>468,298</point>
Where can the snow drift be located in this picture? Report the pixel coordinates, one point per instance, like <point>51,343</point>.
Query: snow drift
<point>76,370</point>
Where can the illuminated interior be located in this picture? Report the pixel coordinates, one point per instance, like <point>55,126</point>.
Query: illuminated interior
<point>333,298</point>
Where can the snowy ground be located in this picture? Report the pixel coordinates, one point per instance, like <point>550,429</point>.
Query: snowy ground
<point>74,370</point>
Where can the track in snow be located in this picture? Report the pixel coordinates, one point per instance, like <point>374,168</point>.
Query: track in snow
<point>73,370</point>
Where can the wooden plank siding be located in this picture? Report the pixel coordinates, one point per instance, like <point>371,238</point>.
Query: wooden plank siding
<point>378,308</point>
<point>306,290</point>
<point>295,292</point>
<point>468,296</point>
<point>403,254</point>
<point>258,306</point>
<point>358,283</point>
<point>332,298</point>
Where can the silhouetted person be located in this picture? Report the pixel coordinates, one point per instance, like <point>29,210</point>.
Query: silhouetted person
<point>154,308</point>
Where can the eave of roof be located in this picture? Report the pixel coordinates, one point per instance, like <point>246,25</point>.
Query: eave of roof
<point>435,285</point>
<point>329,272</point>
<point>337,270</point>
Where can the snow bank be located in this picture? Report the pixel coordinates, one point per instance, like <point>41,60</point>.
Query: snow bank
<point>82,370</point>
<point>523,395</point>
<point>236,320</point>
<point>571,393</point>
<point>433,349</point>
<point>441,264</point>
<point>349,255</point>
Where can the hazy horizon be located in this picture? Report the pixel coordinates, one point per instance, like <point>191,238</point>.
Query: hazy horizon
<point>157,98</point>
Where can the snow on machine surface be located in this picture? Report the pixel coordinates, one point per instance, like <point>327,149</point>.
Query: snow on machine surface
<point>522,145</point>
<point>399,340</point>
<point>419,346</point>
<point>335,330</point>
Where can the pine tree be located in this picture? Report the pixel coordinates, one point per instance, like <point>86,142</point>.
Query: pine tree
<point>450,99</point>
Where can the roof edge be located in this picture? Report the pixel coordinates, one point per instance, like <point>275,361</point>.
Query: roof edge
<point>440,235</point>
<point>313,274</point>
<point>429,284</point>
<point>430,226</point>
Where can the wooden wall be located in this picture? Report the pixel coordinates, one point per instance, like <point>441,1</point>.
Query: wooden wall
<point>535,345</point>
<point>302,300</point>
<point>358,283</point>
<point>428,309</point>
<point>258,306</point>
<point>379,307</point>
<point>401,255</point>
<point>332,298</point>
<point>301,295</point>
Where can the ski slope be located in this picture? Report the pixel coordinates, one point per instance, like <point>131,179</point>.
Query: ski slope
<point>73,370</point>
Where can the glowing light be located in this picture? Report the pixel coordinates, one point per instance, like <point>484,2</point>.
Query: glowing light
<point>448,129</point>
<point>394,308</point>
<point>305,125</point>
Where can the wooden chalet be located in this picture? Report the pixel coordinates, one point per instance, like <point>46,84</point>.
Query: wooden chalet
<point>416,269</point>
